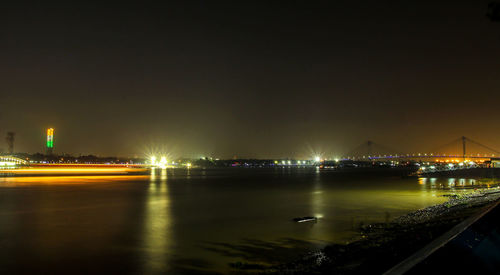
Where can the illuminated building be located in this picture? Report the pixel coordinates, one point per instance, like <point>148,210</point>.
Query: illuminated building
<point>50,141</point>
<point>495,162</point>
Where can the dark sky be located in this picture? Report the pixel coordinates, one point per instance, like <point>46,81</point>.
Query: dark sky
<point>248,78</point>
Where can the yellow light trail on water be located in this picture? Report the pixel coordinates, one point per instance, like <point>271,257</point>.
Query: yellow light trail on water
<point>65,170</point>
<point>71,170</point>
<point>67,180</point>
<point>85,165</point>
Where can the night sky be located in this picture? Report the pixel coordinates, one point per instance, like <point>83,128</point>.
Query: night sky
<point>248,78</point>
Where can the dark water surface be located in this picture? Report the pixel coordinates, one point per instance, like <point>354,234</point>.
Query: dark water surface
<point>183,221</point>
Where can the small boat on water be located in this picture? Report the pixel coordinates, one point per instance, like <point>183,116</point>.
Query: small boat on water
<point>305,219</point>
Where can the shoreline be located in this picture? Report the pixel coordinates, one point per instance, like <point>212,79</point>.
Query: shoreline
<point>380,246</point>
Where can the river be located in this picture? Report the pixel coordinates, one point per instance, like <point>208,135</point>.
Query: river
<point>195,220</point>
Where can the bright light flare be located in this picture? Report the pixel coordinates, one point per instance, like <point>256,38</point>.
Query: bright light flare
<point>163,162</point>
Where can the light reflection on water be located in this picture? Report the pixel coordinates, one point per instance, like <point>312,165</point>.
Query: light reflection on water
<point>457,184</point>
<point>157,231</point>
<point>194,219</point>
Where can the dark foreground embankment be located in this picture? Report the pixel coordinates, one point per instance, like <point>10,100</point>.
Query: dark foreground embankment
<point>473,247</point>
<point>381,246</point>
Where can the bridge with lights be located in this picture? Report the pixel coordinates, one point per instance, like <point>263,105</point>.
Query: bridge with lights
<point>462,149</point>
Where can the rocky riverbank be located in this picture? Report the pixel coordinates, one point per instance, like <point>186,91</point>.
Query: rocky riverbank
<point>380,246</point>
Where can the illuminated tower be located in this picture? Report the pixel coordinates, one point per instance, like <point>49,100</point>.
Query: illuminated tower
<point>50,141</point>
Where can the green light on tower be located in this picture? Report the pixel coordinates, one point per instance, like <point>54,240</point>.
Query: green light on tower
<point>50,138</point>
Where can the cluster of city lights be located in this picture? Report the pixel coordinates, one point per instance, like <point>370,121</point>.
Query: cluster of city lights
<point>10,162</point>
<point>163,163</point>
<point>448,165</point>
<point>316,160</point>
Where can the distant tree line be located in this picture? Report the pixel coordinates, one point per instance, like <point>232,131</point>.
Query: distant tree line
<point>67,158</point>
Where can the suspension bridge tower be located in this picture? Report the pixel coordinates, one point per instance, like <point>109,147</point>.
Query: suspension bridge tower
<point>464,140</point>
